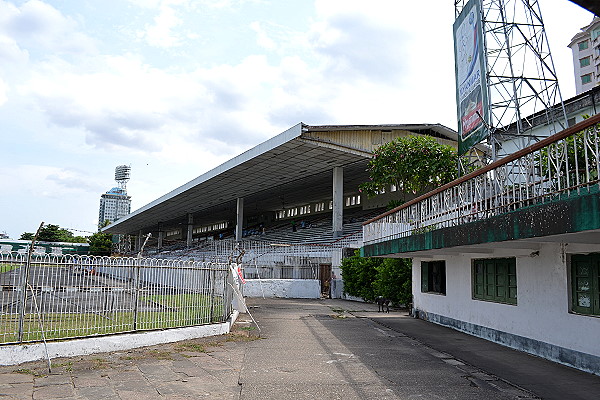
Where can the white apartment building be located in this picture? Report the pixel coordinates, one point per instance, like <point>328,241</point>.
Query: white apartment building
<point>114,204</point>
<point>585,46</point>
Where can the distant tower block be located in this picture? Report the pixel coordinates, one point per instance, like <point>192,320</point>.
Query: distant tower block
<point>122,174</point>
<point>115,203</point>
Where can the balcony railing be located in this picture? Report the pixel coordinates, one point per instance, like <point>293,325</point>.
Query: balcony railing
<point>561,165</point>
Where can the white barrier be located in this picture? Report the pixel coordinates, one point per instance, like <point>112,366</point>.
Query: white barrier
<point>284,288</point>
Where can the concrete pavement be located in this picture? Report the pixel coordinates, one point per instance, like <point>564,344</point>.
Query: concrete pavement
<point>308,349</point>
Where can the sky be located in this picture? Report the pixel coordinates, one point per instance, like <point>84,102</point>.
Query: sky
<point>174,88</point>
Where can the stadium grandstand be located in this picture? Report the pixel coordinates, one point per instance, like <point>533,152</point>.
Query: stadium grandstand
<point>290,205</point>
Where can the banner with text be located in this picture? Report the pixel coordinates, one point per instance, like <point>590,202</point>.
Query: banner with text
<point>471,87</point>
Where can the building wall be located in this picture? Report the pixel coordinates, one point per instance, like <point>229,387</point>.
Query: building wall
<point>540,322</point>
<point>113,207</point>
<point>576,108</point>
<point>591,35</point>
<point>283,288</point>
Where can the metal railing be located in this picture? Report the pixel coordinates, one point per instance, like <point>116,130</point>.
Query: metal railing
<point>562,165</point>
<point>56,297</point>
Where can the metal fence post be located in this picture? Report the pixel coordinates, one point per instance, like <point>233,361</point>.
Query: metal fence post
<point>25,280</point>
<point>212,277</point>
<point>23,297</point>
<point>136,293</point>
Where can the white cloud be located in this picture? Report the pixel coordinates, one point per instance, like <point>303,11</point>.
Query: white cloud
<point>3,92</point>
<point>162,32</point>
<point>38,25</point>
<point>48,181</point>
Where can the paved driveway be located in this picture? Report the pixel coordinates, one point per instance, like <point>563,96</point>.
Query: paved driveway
<point>308,349</point>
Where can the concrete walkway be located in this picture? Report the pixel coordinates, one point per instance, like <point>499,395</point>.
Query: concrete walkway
<point>308,349</point>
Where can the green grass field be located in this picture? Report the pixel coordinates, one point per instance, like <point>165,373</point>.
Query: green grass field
<point>180,311</point>
<point>7,267</point>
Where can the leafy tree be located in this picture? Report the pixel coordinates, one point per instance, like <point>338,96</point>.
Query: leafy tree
<point>413,164</point>
<point>51,233</point>
<point>100,244</point>
<point>359,274</point>
<point>368,278</point>
<point>54,233</point>
<point>394,280</point>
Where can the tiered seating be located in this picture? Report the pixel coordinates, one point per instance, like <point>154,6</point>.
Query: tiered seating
<point>317,230</point>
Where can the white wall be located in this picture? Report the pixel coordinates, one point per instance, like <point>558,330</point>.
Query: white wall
<point>542,310</point>
<point>17,354</point>
<point>285,288</point>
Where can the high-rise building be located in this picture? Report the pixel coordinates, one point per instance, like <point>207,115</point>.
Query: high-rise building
<point>585,46</point>
<point>115,203</point>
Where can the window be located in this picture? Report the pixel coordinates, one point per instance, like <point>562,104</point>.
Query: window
<point>585,284</point>
<point>583,45</point>
<point>433,277</point>
<point>495,279</point>
<point>584,62</point>
<point>587,78</point>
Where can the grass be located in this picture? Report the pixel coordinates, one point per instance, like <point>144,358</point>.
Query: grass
<point>24,371</point>
<point>7,267</point>
<point>191,347</point>
<point>180,311</point>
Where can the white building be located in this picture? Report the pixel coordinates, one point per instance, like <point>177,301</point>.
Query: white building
<point>114,204</point>
<point>509,259</point>
<point>577,108</point>
<point>586,56</point>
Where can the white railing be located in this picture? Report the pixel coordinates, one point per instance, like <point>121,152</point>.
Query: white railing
<point>56,297</point>
<point>565,164</point>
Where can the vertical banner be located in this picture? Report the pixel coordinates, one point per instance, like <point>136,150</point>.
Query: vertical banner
<point>471,88</point>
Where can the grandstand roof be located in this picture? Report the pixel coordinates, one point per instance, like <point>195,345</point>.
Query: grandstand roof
<point>292,168</point>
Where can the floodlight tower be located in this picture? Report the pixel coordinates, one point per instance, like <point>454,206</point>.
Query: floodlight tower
<point>520,75</point>
<point>122,174</point>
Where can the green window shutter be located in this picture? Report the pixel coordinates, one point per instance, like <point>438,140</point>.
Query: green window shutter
<point>585,283</point>
<point>424,277</point>
<point>495,280</point>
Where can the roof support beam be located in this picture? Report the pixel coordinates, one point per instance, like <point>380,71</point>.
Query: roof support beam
<point>161,235</point>
<point>338,201</point>
<point>190,230</point>
<point>240,219</point>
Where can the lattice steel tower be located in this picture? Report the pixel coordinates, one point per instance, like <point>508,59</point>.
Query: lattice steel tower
<point>520,74</point>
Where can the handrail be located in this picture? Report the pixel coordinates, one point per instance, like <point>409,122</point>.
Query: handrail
<point>518,154</point>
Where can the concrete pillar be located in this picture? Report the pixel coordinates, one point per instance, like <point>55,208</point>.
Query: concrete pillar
<point>139,241</point>
<point>240,219</point>
<point>338,201</point>
<point>190,230</point>
<point>161,235</point>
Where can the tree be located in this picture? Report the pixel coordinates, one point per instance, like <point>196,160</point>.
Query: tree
<point>54,233</point>
<point>27,236</point>
<point>368,278</point>
<point>413,164</point>
<point>394,280</point>
<point>359,274</point>
<point>100,244</point>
